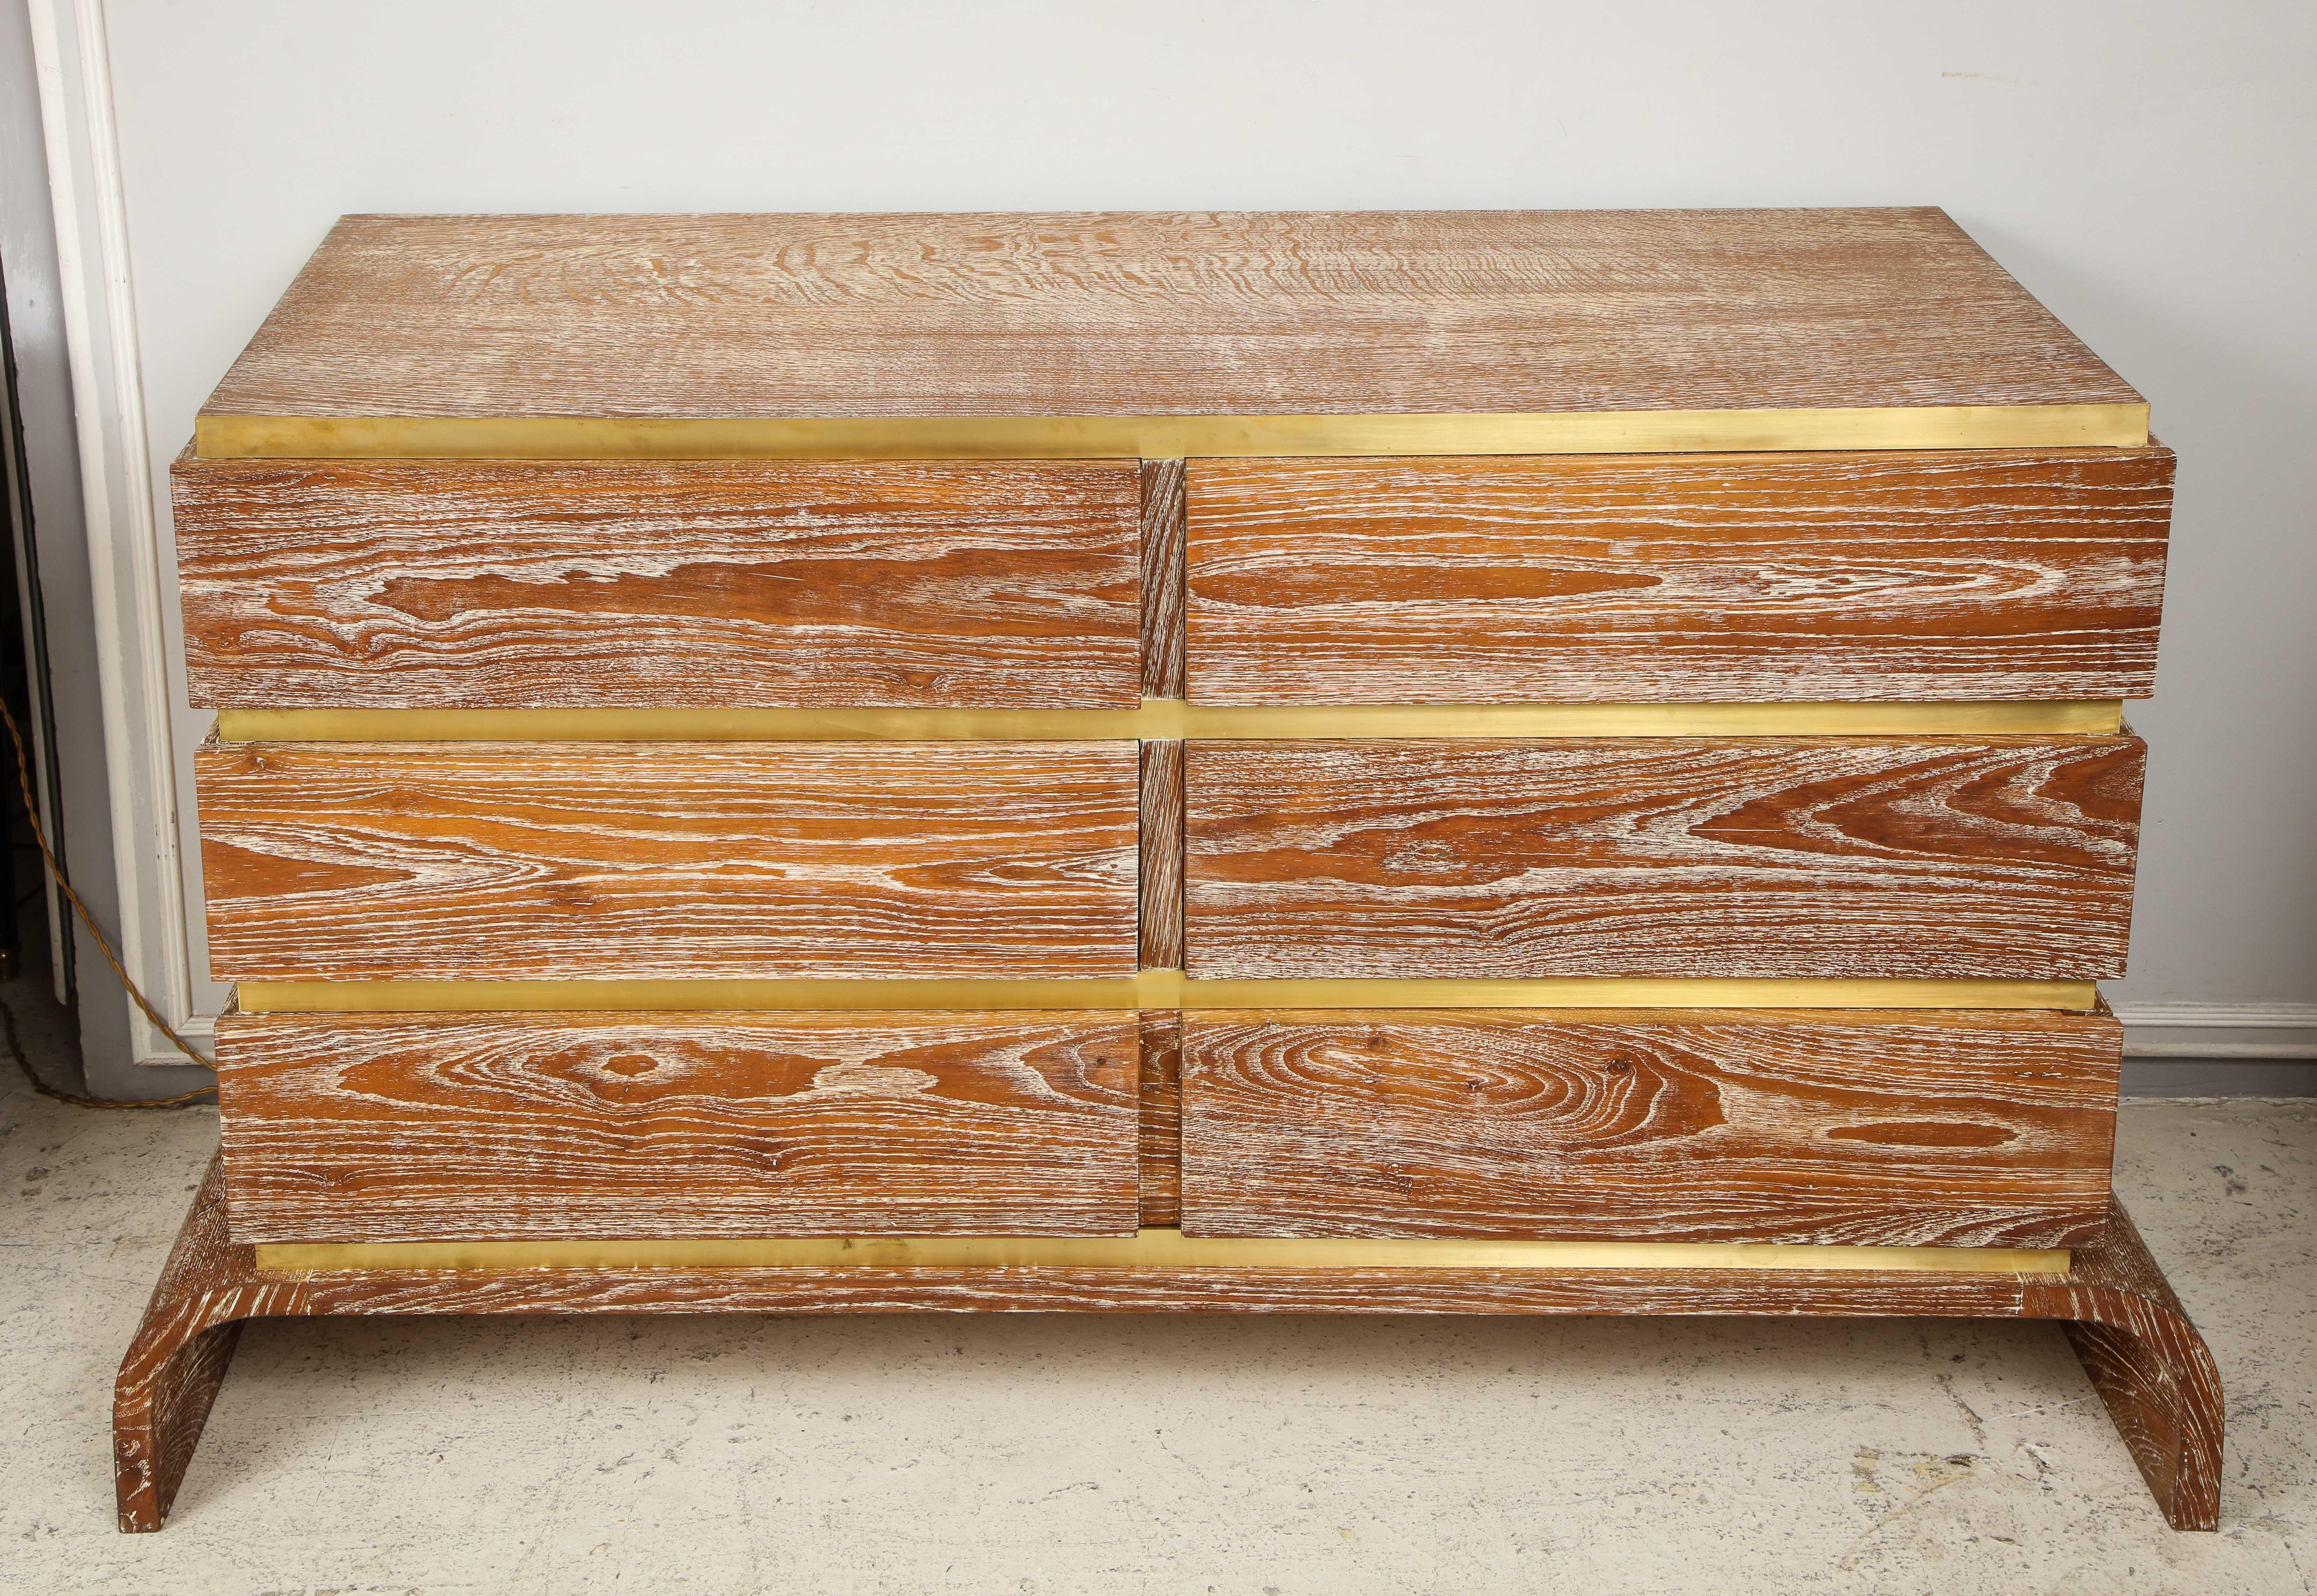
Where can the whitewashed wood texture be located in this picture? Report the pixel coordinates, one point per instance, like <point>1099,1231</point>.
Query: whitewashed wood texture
<point>552,584</point>
<point>643,861</point>
<point>1824,1126</point>
<point>1154,313</point>
<point>2144,1358</point>
<point>1900,575</point>
<point>2002,857</point>
<point>1162,578</point>
<point>1162,855</point>
<point>379,1127</point>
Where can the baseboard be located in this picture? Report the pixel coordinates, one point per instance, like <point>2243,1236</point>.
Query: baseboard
<point>2220,1078</point>
<point>2219,1030</point>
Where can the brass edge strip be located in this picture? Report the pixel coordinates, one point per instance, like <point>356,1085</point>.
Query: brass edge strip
<point>1159,438</point>
<point>1167,719</point>
<point>1147,1250</point>
<point>1149,990</point>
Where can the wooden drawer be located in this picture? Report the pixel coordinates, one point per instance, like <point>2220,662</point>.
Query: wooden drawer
<point>643,861</point>
<point>1919,575</point>
<point>470,582</point>
<point>384,1127</point>
<point>1868,1127</point>
<point>2002,857</point>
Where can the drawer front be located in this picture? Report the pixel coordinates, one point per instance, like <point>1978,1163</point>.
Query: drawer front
<point>1861,1127</point>
<point>1921,575</point>
<point>501,1126</point>
<point>644,861</point>
<point>468,583</point>
<point>2006,859</point>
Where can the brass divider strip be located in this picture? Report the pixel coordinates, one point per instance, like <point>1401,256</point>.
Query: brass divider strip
<point>1159,438</point>
<point>1149,990</point>
<point>1147,1250</point>
<point>1169,719</point>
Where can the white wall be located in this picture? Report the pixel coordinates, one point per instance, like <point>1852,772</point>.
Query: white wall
<point>2144,167</point>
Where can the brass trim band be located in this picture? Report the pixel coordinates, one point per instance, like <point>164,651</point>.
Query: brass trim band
<point>1145,1249</point>
<point>1164,719</point>
<point>1165,437</point>
<point>1149,989</point>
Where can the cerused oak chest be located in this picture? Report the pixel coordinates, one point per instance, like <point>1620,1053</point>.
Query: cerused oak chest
<point>1521,762</point>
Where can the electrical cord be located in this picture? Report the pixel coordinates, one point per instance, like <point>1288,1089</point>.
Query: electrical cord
<point>104,945</point>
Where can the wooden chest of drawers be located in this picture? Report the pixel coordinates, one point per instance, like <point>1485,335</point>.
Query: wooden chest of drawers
<point>1505,734</point>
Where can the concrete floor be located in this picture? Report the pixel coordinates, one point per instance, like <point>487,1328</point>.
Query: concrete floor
<point>1144,1454</point>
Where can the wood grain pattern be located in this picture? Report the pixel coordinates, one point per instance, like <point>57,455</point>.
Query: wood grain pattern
<point>669,861</point>
<point>381,1128</point>
<point>1174,313</point>
<point>1162,578</point>
<point>1162,855</point>
<point>171,1374</point>
<point>1161,1124</point>
<point>1863,1128</point>
<point>430,583</point>
<point>2150,1366</point>
<point>212,1284</point>
<point>2003,857</point>
<point>1899,576</point>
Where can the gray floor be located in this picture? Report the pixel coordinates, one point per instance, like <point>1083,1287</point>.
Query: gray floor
<point>1143,1454</point>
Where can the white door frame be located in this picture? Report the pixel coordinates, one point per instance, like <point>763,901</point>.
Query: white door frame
<point>124,553</point>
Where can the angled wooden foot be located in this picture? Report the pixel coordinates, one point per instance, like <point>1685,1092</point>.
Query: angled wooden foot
<point>178,1359</point>
<point>2149,1365</point>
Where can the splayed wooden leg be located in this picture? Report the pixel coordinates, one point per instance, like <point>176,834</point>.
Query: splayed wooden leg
<point>178,1359</point>
<point>2149,1365</point>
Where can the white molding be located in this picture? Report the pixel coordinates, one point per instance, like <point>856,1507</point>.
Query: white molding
<point>2234,1016</point>
<point>2185,1030</point>
<point>124,557</point>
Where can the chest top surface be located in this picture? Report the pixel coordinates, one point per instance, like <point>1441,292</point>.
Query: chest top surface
<point>1163,314</point>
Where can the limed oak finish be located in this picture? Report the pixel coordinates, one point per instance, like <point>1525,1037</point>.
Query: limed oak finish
<point>1507,609</point>
<point>1162,855</point>
<point>2007,857</point>
<point>430,583</point>
<point>2142,1354</point>
<point>1189,313</point>
<point>1163,483</point>
<point>1161,1128</point>
<point>385,1127</point>
<point>1861,1127</point>
<point>669,861</point>
<point>1916,575</point>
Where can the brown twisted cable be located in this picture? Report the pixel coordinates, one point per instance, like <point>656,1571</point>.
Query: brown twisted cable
<point>104,945</point>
